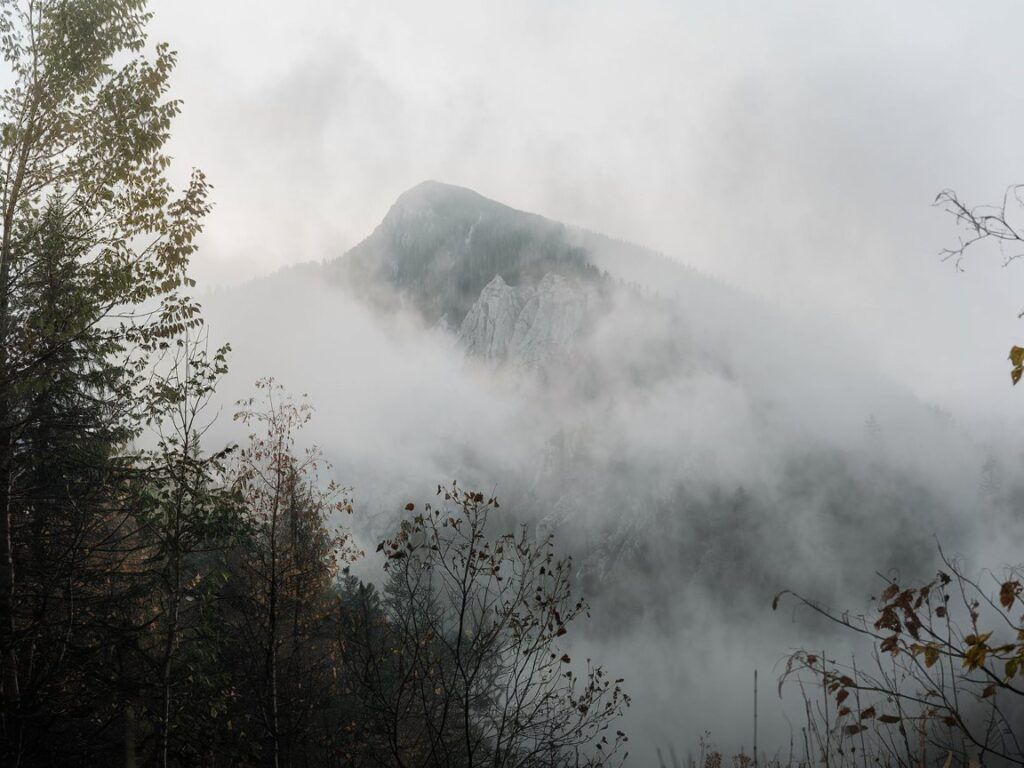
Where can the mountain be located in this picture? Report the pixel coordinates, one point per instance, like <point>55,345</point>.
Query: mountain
<point>695,448</point>
<point>515,285</point>
<point>657,417</point>
<point>670,387</point>
<point>440,245</point>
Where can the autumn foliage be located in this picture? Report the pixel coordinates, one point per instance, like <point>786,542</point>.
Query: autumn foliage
<point>945,675</point>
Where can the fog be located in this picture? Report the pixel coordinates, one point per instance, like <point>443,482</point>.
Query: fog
<point>795,152</point>
<point>773,457</point>
<point>833,360</point>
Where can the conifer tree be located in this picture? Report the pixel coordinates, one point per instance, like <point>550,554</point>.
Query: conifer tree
<point>93,255</point>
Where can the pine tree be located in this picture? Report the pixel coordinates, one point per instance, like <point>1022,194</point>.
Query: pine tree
<point>93,255</point>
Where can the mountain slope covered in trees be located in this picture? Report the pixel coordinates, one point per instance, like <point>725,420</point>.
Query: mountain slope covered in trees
<point>683,434</point>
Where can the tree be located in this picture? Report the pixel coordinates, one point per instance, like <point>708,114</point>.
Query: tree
<point>946,679</point>
<point>93,256</point>
<point>185,512</point>
<point>1001,225</point>
<point>71,416</point>
<point>285,571</point>
<point>470,669</point>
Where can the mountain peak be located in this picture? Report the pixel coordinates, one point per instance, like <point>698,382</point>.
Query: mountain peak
<point>432,189</point>
<point>441,244</point>
<point>435,199</point>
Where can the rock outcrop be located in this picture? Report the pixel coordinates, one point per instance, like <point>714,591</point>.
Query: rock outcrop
<point>527,325</point>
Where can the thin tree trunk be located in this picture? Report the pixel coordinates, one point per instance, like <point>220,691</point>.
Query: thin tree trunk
<point>165,676</point>
<point>130,728</point>
<point>272,614</point>
<point>11,690</point>
<point>9,660</point>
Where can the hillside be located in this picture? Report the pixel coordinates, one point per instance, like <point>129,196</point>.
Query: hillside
<point>626,396</point>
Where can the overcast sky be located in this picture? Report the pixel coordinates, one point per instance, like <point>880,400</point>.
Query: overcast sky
<point>790,148</point>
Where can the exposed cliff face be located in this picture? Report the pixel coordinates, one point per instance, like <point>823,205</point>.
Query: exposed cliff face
<point>490,323</point>
<point>527,325</point>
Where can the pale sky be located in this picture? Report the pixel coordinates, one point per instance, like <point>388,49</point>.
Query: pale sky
<point>790,148</point>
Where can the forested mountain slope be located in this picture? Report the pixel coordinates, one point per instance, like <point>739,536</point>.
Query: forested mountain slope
<point>661,415</point>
